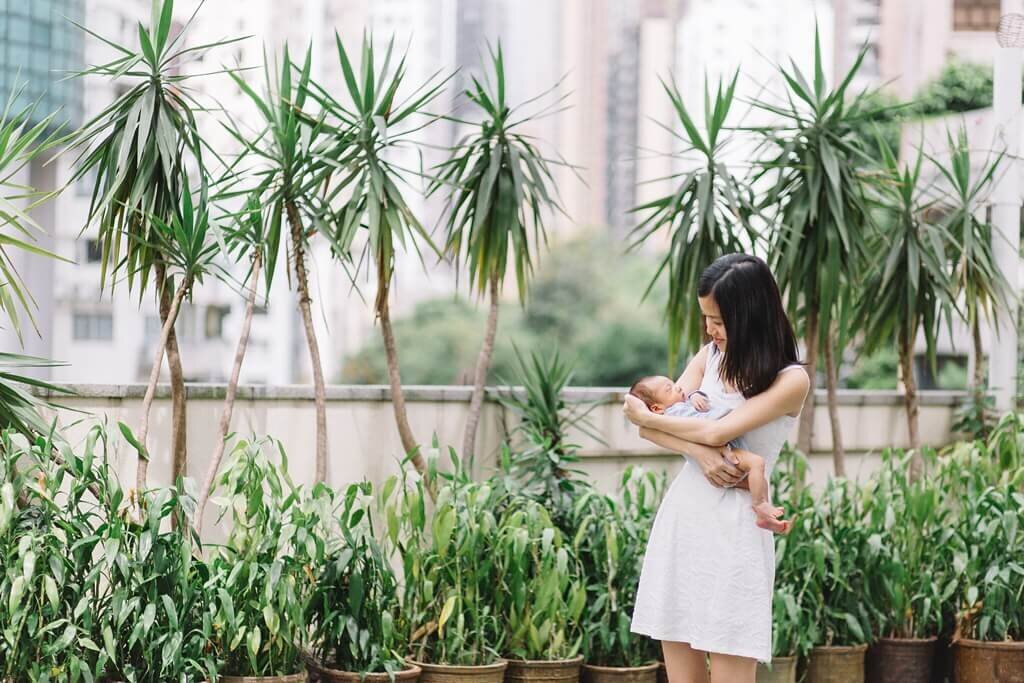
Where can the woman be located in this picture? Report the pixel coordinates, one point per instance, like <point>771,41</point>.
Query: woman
<point>708,574</point>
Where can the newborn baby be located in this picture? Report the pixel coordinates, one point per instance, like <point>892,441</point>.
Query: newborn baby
<point>662,395</point>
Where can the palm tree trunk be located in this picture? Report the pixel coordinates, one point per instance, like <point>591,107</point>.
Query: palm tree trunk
<point>978,380</point>
<point>319,391</point>
<point>806,430</point>
<point>409,443</point>
<point>154,376</point>
<point>229,398</point>
<point>179,426</point>
<point>910,400</point>
<point>831,380</point>
<point>483,363</point>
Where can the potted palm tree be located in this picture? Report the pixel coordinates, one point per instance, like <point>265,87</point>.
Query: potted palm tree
<point>259,583</point>
<point>355,601</point>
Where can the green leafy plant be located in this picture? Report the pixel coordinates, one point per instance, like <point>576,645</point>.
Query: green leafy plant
<point>610,540</point>
<point>909,549</point>
<point>259,583</point>
<point>451,566</point>
<point>542,595</point>
<point>356,597</point>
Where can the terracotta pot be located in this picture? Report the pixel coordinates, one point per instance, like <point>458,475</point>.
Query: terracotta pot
<point>544,671</point>
<point>647,673</point>
<point>293,678</point>
<point>445,673</point>
<point>900,660</point>
<point>836,664</point>
<point>783,670</point>
<point>328,675</point>
<point>975,661</point>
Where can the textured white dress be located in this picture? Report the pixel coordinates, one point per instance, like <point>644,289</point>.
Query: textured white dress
<point>709,571</point>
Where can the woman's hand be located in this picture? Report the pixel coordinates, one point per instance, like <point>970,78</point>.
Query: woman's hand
<point>635,410</point>
<point>719,467</point>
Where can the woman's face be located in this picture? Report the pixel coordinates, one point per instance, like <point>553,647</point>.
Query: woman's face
<point>713,320</point>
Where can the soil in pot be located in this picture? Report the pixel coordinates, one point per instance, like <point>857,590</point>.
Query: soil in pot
<point>445,673</point>
<point>783,670</point>
<point>543,671</point>
<point>836,664</point>
<point>975,661</point>
<point>614,674</point>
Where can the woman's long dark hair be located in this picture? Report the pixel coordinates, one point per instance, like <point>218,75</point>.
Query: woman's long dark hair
<point>760,337</point>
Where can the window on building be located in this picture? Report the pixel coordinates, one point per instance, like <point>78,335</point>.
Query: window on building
<point>975,15</point>
<point>93,326</point>
<point>93,251</point>
<point>214,324</point>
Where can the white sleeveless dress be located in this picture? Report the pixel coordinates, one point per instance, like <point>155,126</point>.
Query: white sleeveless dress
<point>709,571</point>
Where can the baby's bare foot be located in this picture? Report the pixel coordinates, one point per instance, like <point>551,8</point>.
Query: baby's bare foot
<point>768,518</point>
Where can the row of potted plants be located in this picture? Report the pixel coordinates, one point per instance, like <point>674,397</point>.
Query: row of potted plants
<point>901,580</point>
<point>442,577</point>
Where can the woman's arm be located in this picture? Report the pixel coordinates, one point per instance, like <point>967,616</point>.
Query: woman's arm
<point>693,375</point>
<point>785,396</point>
<point>717,469</point>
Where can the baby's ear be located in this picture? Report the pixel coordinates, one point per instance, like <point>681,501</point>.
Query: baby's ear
<point>656,408</point>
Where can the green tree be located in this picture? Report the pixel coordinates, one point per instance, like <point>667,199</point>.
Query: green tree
<point>960,86</point>
<point>499,187</point>
<point>706,215</point>
<point>814,160</point>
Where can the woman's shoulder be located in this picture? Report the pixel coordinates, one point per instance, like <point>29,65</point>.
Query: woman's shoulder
<point>795,384</point>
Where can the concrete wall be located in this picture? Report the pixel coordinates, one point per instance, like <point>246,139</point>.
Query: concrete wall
<point>363,441</point>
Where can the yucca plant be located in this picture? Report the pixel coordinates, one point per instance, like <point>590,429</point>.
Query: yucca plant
<point>248,239</point>
<point>539,455</point>
<point>259,586</point>
<point>135,153</point>
<point>707,214</point>
<point>290,166</point>
<point>371,126</point>
<point>908,287</point>
<point>976,279</point>
<point>500,189</point>
<point>188,250</point>
<point>814,164</point>
<point>354,606</point>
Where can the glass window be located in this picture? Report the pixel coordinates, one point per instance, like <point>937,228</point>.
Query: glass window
<point>93,326</point>
<point>975,15</point>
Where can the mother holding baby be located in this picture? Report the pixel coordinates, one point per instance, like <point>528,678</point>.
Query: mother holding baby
<point>708,574</point>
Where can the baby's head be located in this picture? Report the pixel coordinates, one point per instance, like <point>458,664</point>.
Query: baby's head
<point>658,392</point>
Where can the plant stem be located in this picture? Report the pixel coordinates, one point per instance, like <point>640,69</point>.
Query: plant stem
<point>831,379</point>
<point>229,398</point>
<point>154,376</point>
<point>319,392</point>
<point>910,400</point>
<point>483,363</point>
<point>409,443</point>
<point>179,417</point>
<point>806,430</point>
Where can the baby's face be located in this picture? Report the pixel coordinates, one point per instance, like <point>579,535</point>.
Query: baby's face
<point>665,392</point>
